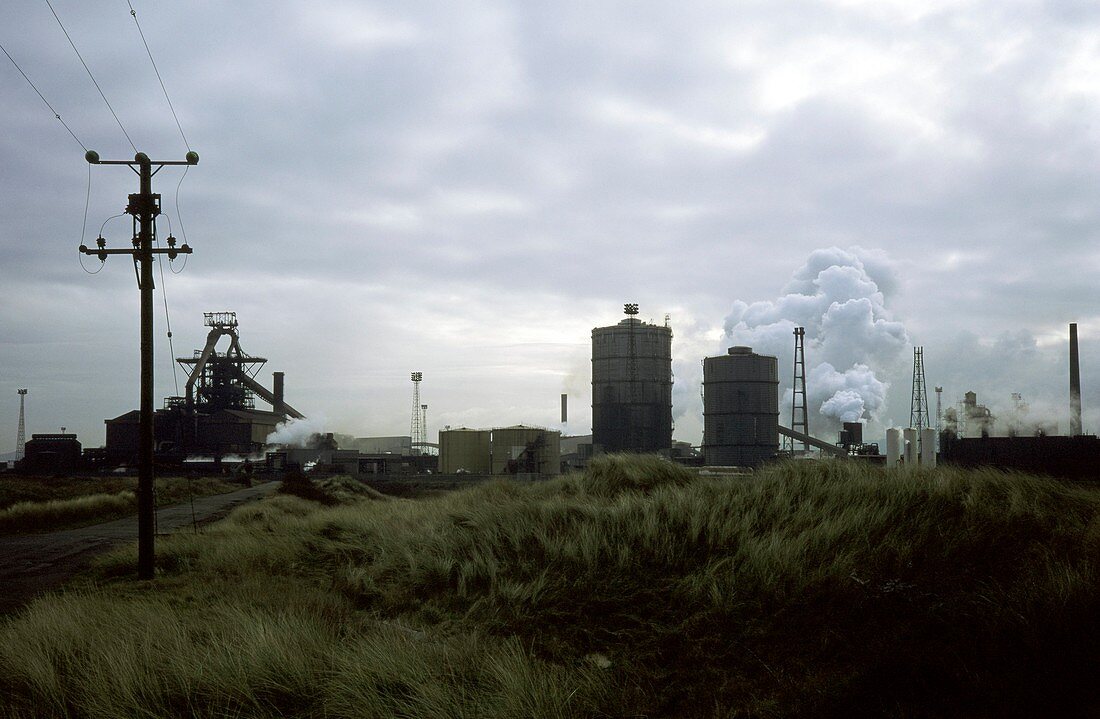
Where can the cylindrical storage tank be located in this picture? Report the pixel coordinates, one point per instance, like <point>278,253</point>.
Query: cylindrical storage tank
<point>740,408</point>
<point>632,387</point>
<point>909,447</point>
<point>893,447</point>
<point>928,447</point>
<point>465,449</point>
<point>526,450</point>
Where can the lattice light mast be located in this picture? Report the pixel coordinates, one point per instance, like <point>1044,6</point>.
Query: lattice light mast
<point>918,406</point>
<point>424,428</point>
<point>415,427</point>
<point>21,436</point>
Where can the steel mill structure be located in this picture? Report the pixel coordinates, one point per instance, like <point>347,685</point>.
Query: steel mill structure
<point>217,416</point>
<point>632,386</point>
<point>740,408</point>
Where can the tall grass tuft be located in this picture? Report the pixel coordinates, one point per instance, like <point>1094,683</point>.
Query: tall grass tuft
<point>75,503</point>
<point>637,589</point>
<point>611,474</point>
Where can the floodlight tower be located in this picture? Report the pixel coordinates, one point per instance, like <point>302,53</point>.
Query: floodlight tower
<point>424,427</point>
<point>415,426</point>
<point>21,437</point>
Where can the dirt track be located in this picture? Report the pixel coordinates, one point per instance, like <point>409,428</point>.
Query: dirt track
<point>31,564</point>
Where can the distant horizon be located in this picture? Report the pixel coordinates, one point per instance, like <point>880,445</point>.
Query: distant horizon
<point>468,191</point>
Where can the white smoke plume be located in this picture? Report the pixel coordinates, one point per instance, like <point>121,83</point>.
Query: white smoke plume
<point>298,432</point>
<point>839,296</point>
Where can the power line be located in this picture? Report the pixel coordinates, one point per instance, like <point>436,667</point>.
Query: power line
<point>149,52</point>
<point>167,318</point>
<point>55,113</point>
<point>89,71</point>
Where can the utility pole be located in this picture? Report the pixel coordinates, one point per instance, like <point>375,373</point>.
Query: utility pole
<point>144,206</point>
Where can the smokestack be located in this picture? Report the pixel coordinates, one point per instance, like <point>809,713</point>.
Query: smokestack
<point>564,408</point>
<point>1074,383</point>
<point>277,390</point>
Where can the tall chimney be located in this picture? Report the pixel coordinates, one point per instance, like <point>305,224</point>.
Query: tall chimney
<point>277,390</point>
<point>564,408</point>
<point>1074,383</point>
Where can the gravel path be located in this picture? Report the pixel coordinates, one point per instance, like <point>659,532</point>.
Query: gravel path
<point>31,564</point>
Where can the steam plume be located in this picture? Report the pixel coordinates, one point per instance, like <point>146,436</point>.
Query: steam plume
<point>298,432</point>
<point>839,296</point>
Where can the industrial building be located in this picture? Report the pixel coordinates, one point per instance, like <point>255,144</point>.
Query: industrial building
<point>740,408</point>
<point>1065,457</point>
<point>218,415</point>
<point>51,454</point>
<point>632,386</point>
<point>401,444</point>
<point>501,451</point>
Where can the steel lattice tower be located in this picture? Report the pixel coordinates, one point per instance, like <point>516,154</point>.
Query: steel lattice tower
<point>918,408</point>
<point>424,427</point>
<point>416,430</point>
<point>799,415</point>
<point>21,436</point>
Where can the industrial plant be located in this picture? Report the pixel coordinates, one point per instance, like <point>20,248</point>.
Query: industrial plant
<point>216,422</point>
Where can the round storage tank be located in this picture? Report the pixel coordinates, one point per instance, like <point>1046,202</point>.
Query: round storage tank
<point>632,387</point>
<point>465,449</point>
<point>526,450</point>
<point>740,408</point>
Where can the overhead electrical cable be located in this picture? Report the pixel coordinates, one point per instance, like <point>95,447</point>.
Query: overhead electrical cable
<point>133,14</point>
<point>84,226</point>
<point>183,230</point>
<point>89,71</point>
<point>167,318</point>
<point>55,112</point>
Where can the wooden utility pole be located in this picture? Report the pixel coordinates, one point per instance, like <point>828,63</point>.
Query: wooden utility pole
<point>144,207</point>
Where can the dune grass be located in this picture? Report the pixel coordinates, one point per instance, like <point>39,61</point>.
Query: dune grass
<point>77,503</point>
<point>637,589</point>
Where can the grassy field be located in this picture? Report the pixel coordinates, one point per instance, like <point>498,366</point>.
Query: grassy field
<point>638,589</point>
<point>46,504</point>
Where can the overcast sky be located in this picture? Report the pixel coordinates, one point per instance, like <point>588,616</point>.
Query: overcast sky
<point>467,189</point>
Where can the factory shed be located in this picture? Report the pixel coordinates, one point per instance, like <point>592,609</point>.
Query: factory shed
<point>50,454</point>
<point>1064,457</point>
<point>223,432</point>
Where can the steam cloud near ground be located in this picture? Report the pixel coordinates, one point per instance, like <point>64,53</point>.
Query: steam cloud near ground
<point>298,432</point>
<point>840,297</point>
